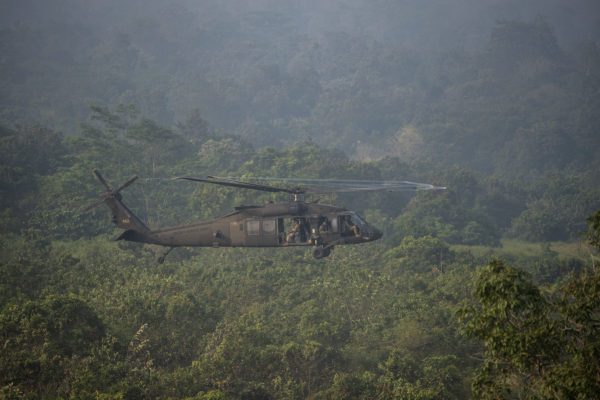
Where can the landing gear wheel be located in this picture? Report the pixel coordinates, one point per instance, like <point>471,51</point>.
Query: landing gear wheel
<point>161,259</point>
<point>321,252</point>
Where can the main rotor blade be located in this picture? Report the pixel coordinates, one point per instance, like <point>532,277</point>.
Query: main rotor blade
<point>323,186</point>
<point>245,185</point>
<point>317,186</point>
<point>369,186</point>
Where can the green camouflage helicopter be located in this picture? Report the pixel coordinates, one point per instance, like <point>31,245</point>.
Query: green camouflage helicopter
<point>308,224</point>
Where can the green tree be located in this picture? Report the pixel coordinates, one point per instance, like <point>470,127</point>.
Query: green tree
<point>41,336</point>
<point>536,346</point>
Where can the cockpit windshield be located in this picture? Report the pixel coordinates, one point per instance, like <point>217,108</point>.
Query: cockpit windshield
<point>357,219</point>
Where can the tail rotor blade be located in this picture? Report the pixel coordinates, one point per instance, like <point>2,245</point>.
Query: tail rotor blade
<point>102,181</point>
<point>96,204</point>
<point>110,193</point>
<point>129,182</point>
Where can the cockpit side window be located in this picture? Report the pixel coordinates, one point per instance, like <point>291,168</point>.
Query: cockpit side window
<point>349,225</point>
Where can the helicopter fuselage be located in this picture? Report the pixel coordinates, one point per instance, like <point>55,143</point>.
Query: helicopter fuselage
<point>271,225</point>
<point>295,223</point>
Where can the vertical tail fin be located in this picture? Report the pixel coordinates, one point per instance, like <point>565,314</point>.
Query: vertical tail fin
<point>121,216</point>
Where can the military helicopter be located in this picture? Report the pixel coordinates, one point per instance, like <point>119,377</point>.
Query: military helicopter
<point>310,224</point>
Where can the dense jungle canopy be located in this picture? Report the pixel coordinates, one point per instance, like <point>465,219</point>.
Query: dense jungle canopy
<point>489,289</point>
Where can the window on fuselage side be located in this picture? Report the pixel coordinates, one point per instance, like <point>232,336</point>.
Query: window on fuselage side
<point>253,227</point>
<point>334,225</point>
<point>269,226</point>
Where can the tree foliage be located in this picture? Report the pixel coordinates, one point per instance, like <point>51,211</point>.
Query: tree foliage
<point>85,317</point>
<point>536,345</point>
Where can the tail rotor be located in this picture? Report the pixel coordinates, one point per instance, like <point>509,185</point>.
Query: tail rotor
<point>110,192</point>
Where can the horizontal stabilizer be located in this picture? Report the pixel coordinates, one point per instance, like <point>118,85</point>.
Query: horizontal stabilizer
<point>132,236</point>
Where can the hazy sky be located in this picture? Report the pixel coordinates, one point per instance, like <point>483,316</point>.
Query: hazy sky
<point>419,22</point>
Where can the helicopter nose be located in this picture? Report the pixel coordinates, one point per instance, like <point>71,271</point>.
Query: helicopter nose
<point>373,234</point>
<point>377,234</point>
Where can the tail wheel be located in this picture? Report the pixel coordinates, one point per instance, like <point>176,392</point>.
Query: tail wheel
<point>321,252</point>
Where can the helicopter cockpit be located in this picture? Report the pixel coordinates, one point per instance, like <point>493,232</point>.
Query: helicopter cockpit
<point>348,224</point>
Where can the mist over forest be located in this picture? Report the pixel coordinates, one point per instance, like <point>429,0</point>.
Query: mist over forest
<point>489,289</point>
<point>407,79</point>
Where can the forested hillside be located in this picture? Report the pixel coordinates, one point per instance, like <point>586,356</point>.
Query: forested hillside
<point>84,316</point>
<point>489,289</point>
